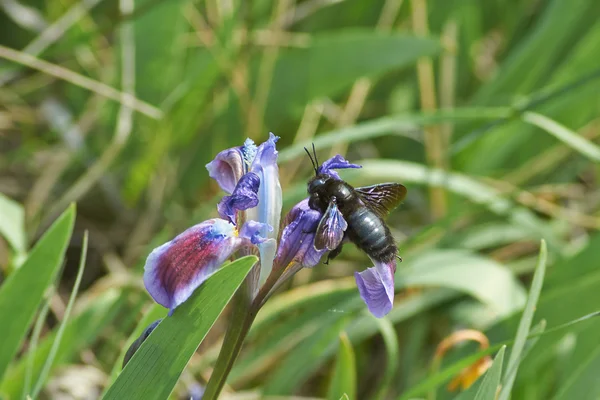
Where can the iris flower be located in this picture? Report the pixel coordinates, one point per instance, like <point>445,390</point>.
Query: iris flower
<point>249,222</point>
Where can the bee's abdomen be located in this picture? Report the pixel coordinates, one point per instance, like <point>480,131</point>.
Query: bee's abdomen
<point>371,234</point>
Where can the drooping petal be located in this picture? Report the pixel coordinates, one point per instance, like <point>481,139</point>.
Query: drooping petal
<point>376,287</point>
<point>174,270</point>
<point>335,162</point>
<point>297,239</point>
<point>227,168</point>
<point>244,196</point>
<point>230,165</point>
<point>270,199</point>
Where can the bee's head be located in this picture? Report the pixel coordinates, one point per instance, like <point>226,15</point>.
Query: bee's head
<point>316,184</point>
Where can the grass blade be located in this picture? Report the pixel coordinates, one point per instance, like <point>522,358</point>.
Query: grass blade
<point>390,340</point>
<point>23,291</point>
<point>81,331</point>
<point>565,135</point>
<point>489,386</point>
<point>343,381</point>
<point>403,125</point>
<point>525,323</point>
<point>61,329</point>
<point>434,381</point>
<point>155,368</point>
<point>33,345</point>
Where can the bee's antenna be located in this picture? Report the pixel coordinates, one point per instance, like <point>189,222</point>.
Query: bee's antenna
<point>311,160</point>
<point>316,159</point>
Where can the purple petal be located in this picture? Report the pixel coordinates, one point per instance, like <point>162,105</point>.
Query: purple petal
<point>335,162</point>
<point>230,165</point>
<point>244,196</point>
<point>266,153</point>
<point>376,287</point>
<point>297,239</point>
<point>174,270</point>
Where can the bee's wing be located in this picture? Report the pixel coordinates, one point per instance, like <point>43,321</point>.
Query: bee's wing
<point>330,231</point>
<point>382,198</point>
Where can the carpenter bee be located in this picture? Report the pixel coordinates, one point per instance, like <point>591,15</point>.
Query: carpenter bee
<point>354,214</point>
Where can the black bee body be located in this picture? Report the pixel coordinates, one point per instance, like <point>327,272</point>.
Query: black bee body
<point>371,234</point>
<point>366,229</point>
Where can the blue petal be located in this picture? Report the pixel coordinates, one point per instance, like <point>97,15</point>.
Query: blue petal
<point>376,287</point>
<point>270,199</point>
<point>174,270</point>
<point>244,196</point>
<point>335,162</point>
<point>297,239</point>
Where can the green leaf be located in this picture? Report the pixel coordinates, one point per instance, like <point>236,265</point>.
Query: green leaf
<point>12,223</point>
<point>487,236</point>
<point>565,135</point>
<point>331,63</point>
<point>343,381</point>
<point>489,386</point>
<point>525,324</point>
<point>79,333</point>
<point>478,276</point>
<point>22,293</point>
<point>155,368</point>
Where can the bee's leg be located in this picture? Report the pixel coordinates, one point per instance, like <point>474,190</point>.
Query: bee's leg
<point>334,253</point>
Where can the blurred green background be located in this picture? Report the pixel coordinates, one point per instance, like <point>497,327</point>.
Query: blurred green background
<point>488,111</point>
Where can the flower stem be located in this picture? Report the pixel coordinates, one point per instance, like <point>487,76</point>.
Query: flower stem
<point>245,309</point>
<point>239,324</point>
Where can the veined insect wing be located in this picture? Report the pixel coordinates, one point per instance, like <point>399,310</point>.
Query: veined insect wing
<point>382,198</point>
<point>332,226</point>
